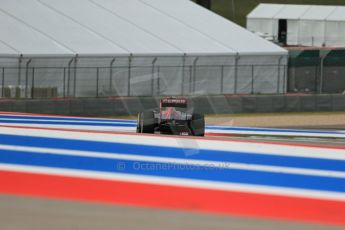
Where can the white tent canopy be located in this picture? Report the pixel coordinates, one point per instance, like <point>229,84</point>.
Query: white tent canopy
<point>335,27</point>
<point>264,14</point>
<point>124,27</point>
<point>307,25</point>
<point>125,33</point>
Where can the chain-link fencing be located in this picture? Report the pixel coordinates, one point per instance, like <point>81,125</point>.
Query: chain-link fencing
<point>139,76</point>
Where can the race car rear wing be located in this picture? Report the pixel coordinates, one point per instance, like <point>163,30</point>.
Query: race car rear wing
<point>179,103</point>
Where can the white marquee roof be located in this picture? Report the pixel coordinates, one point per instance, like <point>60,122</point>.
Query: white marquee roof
<point>291,11</point>
<point>121,27</point>
<point>265,11</point>
<point>337,15</point>
<point>318,12</point>
<point>304,12</point>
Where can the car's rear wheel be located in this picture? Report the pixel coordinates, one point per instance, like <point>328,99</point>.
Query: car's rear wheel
<point>197,125</point>
<point>146,122</point>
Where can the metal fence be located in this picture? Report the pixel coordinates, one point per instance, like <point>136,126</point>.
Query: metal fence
<point>316,71</point>
<point>154,80</point>
<point>317,79</point>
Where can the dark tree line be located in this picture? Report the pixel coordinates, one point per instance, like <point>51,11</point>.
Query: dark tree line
<point>204,3</point>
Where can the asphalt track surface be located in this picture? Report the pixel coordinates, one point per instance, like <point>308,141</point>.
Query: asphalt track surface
<point>297,140</point>
<point>42,200</point>
<point>17,213</point>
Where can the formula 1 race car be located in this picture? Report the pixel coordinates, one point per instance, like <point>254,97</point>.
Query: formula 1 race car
<point>173,117</point>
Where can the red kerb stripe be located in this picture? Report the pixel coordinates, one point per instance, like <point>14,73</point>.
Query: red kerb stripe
<point>174,197</point>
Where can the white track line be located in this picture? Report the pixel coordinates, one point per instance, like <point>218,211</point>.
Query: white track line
<point>76,127</point>
<point>64,121</point>
<point>185,143</point>
<point>14,114</point>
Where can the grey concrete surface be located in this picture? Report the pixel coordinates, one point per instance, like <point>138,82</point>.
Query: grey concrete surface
<point>24,213</point>
<point>316,127</point>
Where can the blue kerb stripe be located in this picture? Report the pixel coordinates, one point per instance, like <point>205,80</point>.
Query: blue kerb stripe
<point>66,123</point>
<point>172,152</point>
<point>66,118</point>
<point>270,130</point>
<point>174,171</point>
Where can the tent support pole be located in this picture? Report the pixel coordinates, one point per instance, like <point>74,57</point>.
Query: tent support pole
<point>97,81</point>
<point>69,76</point>
<point>222,79</point>
<point>321,72</point>
<point>183,73</point>
<point>129,75</point>
<point>33,83</point>
<point>236,72</point>
<point>19,69</point>
<point>64,82</point>
<point>158,81</point>
<point>284,78</point>
<point>194,72</point>
<point>111,77</point>
<point>153,75</point>
<point>27,78</point>
<point>278,81</point>
<point>3,82</point>
<point>75,75</point>
<point>252,91</point>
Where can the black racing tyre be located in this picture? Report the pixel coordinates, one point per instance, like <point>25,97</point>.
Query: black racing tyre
<point>146,122</point>
<point>197,125</point>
